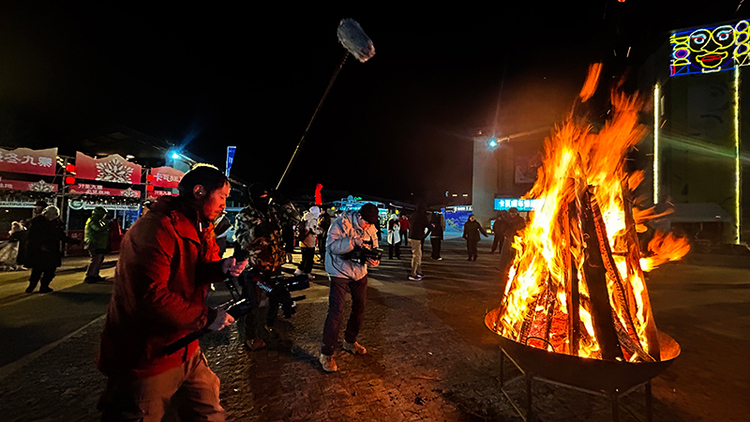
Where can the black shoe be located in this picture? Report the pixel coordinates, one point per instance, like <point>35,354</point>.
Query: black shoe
<point>91,280</point>
<point>30,289</point>
<point>46,290</point>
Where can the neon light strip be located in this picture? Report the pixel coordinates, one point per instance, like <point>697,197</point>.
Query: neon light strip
<point>657,113</point>
<point>737,163</point>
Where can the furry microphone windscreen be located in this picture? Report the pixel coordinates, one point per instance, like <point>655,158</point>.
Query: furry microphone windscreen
<point>354,39</point>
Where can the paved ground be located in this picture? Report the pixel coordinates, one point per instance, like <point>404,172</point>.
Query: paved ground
<point>429,355</point>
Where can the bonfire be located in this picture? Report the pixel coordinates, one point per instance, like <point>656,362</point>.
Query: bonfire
<point>576,285</point>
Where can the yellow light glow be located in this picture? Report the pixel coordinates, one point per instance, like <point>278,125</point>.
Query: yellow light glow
<point>737,163</point>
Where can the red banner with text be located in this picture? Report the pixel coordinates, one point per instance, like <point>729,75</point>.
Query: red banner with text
<point>22,185</point>
<point>166,177</point>
<point>112,168</point>
<point>156,194</point>
<point>91,189</point>
<point>25,160</point>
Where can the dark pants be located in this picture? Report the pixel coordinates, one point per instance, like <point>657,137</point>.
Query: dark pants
<point>46,274</point>
<point>308,254</point>
<point>97,258</point>
<point>322,248</point>
<point>471,246</point>
<point>403,234</point>
<point>336,301</point>
<point>497,243</point>
<point>394,248</point>
<point>435,247</point>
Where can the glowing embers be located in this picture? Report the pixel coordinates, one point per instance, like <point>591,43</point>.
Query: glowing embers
<point>576,284</point>
<point>711,49</point>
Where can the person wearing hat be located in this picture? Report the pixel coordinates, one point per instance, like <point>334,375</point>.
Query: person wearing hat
<point>352,230</point>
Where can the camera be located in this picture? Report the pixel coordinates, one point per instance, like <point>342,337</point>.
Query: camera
<point>279,288</point>
<point>360,255</point>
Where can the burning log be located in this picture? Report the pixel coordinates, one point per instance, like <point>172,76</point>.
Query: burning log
<point>633,256</point>
<point>572,232</point>
<point>595,275</point>
<point>551,302</point>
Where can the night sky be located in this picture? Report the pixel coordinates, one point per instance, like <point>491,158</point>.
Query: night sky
<point>218,73</point>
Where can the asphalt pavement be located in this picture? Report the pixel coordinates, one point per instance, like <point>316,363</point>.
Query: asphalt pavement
<point>429,358</point>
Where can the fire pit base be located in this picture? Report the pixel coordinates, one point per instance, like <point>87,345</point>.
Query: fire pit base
<point>529,378</point>
<point>600,377</point>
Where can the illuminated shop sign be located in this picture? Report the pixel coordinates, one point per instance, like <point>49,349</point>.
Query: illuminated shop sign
<point>710,49</point>
<point>517,203</point>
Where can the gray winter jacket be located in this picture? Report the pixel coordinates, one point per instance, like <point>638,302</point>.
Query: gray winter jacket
<point>342,239</point>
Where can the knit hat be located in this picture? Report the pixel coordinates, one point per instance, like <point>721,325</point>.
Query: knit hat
<point>51,212</point>
<point>369,213</point>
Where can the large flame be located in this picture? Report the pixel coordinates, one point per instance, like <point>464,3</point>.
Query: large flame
<point>535,304</point>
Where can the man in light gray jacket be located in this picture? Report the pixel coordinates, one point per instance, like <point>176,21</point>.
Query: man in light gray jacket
<point>349,234</point>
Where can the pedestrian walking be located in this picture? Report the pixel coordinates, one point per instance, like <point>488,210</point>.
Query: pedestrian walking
<point>394,238</point>
<point>44,254</point>
<point>9,248</point>
<point>349,235</point>
<point>498,231</point>
<point>96,242</point>
<point>436,234</point>
<point>472,229</point>
<point>309,232</point>
<point>419,228</point>
<point>167,261</point>
<point>403,223</point>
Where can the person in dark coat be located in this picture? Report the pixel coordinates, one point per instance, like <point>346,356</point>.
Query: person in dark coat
<point>436,235</point>
<point>498,231</point>
<point>44,254</point>
<point>472,229</point>
<point>23,245</point>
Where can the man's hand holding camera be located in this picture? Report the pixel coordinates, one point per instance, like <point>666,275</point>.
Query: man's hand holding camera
<point>231,267</point>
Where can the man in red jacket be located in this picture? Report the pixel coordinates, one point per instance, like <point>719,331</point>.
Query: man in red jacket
<point>167,261</point>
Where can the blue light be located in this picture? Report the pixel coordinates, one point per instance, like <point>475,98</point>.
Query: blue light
<point>175,155</point>
<point>492,142</point>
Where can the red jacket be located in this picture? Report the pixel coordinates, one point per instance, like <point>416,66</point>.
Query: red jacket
<point>163,274</point>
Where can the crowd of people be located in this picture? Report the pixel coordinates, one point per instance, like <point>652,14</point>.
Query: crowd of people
<point>173,253</point>
<point>36,244</point>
